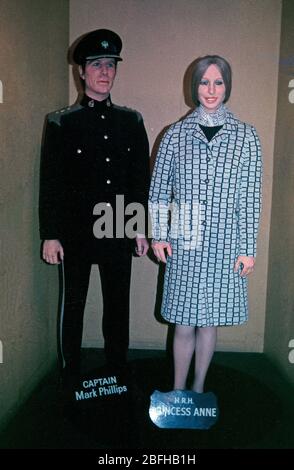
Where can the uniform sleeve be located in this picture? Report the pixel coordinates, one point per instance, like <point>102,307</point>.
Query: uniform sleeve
<point>50,216</point>
<point>250,196</point>
<point>140,166</point>
<point>140,170</point>
<point>161,189</point>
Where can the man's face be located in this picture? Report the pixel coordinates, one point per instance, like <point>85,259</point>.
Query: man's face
<point>99,77</point>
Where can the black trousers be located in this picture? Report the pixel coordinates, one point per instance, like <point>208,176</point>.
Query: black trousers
<point>115,274</point>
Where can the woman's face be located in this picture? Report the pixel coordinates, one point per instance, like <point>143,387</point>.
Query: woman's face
<point>211,90</point>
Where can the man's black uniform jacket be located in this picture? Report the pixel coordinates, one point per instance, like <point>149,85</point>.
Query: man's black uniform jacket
<point>92,152</point>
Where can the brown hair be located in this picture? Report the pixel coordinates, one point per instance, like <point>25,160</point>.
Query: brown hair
<point>201,65</point>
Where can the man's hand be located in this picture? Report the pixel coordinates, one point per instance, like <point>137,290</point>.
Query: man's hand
<point>142,246</point>
<point>248,265</point>
<point>52,251</point>
<point>159,250</point>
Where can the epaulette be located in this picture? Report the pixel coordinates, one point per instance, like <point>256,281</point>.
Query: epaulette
<point>56,115</point>
<point>129,110</point>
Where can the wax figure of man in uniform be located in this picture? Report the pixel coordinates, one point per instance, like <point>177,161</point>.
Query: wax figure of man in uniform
<point>93,152</point>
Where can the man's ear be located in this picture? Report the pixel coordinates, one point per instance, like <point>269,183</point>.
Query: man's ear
<point>81,72</point>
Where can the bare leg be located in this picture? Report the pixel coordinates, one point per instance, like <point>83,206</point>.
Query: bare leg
<point>183,348</point>
<point>205,346</point>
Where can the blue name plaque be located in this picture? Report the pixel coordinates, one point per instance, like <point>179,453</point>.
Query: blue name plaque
<point>183,409</point>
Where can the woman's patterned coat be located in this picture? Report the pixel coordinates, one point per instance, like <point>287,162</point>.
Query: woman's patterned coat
<point>205,199</point>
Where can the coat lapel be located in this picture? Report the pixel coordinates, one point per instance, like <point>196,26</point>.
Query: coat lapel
<point>224,133</point>
<point>191,125</point>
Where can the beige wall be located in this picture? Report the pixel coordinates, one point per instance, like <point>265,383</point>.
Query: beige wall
<point>34,78</point>
<point>161,38</point>
<point>279,337</point>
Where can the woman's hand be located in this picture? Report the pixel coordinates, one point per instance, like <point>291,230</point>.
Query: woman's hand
<point>248,265</point>
<point>52,251</point>
<point>159,250</point>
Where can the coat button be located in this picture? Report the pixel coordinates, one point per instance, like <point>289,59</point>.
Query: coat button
<point>105,137</point>
<point>79,151</point>
<point>129,149</point>
<point>203,222</point>
<point>102,116</point>
<point>108,204</point>
<point>107,159</point>
<point>208,159</point>
<point>108,181</point>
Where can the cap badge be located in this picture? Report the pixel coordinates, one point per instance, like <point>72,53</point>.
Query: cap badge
<point>105,44</point>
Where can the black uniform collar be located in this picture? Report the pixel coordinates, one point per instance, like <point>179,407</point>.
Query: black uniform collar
<point>94,104</point>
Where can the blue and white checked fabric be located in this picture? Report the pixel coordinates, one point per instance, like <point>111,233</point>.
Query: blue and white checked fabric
<point>205,199</point>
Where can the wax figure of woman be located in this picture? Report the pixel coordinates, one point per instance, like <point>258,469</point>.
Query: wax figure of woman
<point>208,173</point>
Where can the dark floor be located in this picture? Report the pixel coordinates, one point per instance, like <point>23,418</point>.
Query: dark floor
<point>256,409</point>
